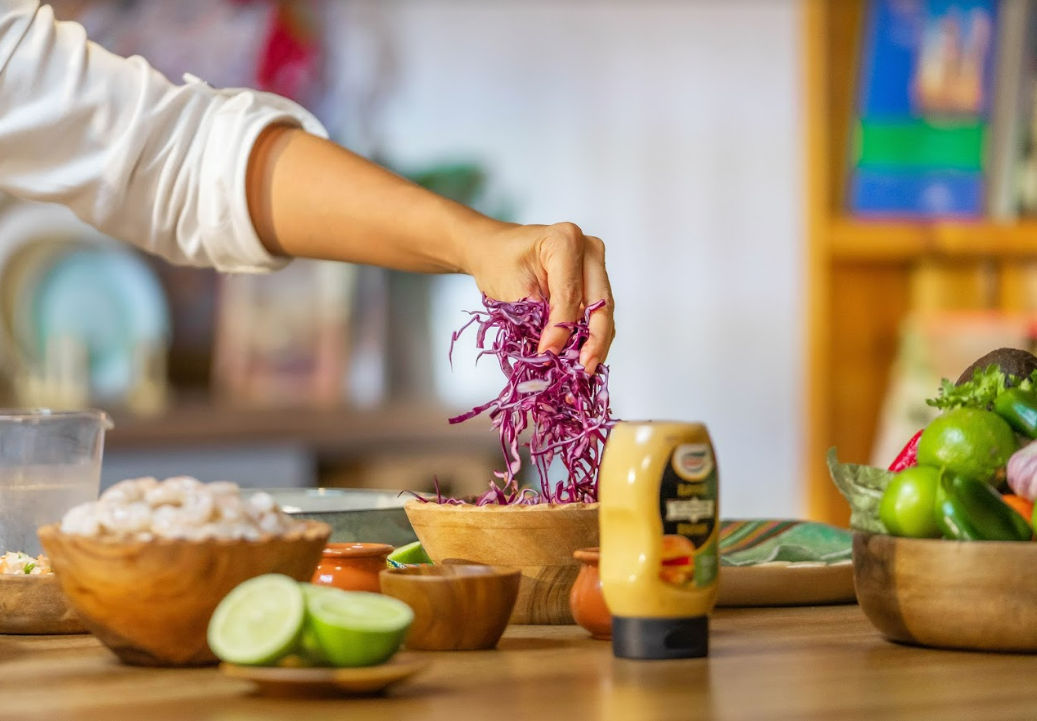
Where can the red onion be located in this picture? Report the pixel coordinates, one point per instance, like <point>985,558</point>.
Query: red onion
<point>1022,471</point>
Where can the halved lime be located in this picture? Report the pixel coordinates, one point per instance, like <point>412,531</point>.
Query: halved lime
<point>259,621</point>
<point>309,647</point>
<point>410,553</point>
<point>357,628</point>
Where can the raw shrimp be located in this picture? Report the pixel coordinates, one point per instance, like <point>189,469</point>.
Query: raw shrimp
<point>180,507</point>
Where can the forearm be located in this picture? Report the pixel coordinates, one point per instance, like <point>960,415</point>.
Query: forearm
<point>311,198</point>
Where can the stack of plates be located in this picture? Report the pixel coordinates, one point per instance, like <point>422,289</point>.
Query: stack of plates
<point>59,278</point>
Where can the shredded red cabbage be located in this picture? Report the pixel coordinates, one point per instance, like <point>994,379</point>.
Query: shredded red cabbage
<point>566,408</point>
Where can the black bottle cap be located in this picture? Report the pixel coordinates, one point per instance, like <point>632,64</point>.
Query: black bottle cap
<point>660,638</point>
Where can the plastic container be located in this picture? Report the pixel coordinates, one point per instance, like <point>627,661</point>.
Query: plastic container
<point>50,461</point>
<point>659,530</point>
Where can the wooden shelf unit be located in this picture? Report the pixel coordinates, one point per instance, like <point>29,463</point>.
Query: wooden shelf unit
<point>864,277</point>
<point>329,431</point>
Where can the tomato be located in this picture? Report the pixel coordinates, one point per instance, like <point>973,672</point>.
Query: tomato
<point>1022,506</point>
<point>969,442</point>
<point>908,504</point>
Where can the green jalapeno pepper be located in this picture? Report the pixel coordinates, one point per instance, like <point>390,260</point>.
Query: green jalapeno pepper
<point>1019,408</point>
<point>971,510</point>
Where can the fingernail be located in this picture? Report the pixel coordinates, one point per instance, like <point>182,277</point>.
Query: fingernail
<point>589,363</point>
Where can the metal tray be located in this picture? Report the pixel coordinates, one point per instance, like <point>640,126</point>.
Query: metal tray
<point>354,514</point>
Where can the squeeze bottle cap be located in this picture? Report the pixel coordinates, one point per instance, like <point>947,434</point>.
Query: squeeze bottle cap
<point>660,638</point>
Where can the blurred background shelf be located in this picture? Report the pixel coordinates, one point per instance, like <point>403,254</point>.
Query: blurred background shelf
<point>851,239</point>
<point>340,431</point>
<point>397,446</point>
<point>869,280</point>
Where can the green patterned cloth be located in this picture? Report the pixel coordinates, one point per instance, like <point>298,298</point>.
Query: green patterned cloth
<point>747,543</point>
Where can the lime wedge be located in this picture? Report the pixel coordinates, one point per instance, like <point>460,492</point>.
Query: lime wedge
<point>411,553</point>
<point>259,621</point>
<point>356,628</point>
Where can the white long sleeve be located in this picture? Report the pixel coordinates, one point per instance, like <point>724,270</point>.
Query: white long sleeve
<point>159,165</point>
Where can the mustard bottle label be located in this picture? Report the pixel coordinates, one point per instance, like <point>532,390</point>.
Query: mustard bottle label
<point>688,506</point>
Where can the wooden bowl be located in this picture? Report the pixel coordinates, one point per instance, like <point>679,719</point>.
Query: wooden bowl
<point>150,601</point>
<point>538,540</point>
<point>457,607</point>
<point>979,595</point>
<point>35,604</point>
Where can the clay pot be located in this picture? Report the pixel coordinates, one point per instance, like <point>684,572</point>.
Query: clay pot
<point>538,540</point>
<point>586,600</point>
<point>352,566</point>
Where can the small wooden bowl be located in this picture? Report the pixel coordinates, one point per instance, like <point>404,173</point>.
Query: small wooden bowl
<point>35,604</point>
<point>457,607</point>
<point>150,601</point>
<point>978,595</point>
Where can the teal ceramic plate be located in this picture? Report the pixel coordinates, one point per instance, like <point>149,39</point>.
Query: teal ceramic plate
<point>108,299</point>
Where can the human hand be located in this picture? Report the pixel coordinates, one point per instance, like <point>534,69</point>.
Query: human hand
<point>557,263</point>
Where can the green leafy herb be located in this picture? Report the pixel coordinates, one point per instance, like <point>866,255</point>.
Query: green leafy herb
<point>1027,384</point>
<point>979,392</point>
<point>862,486</point>
<point>29,566</point>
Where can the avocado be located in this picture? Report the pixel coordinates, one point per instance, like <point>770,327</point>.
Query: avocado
<point>1012,361</point>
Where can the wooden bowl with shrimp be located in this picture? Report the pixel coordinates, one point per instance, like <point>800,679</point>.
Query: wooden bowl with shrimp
<point>150,601</point>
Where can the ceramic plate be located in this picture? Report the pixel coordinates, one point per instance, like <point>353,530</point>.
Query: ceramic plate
<point>31,234</point>
<point>35,604</point>
<point>107,297</point>
<point>786,584</point>
<point>784,562</point>
<point>273,680</point>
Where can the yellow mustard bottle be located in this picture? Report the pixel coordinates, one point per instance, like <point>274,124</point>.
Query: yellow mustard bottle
<point>657,489</point>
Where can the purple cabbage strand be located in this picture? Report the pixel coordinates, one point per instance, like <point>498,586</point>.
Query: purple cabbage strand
<point>566,408</point>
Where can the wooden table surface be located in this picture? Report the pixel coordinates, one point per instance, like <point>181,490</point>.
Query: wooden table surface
<point>778,663</point>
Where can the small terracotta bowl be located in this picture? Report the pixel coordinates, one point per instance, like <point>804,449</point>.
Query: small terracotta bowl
<point>457,607</point>
<point>352,566</point>
<point>586,600</point>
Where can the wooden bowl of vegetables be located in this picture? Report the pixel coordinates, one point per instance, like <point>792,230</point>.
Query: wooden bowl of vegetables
<point>948,594</point>
<point>944,553</point>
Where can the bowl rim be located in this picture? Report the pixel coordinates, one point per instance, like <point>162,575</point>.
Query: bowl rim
<point>356,549</point>
<point>944,541</point>
<point>588,555</point>
<point>28,578</point>
<point>491,507</point>
<point>311,531</point>
<point>433,573</point>
<point>38,416</point>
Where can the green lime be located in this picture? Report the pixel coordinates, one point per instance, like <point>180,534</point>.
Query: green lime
<point>969,442</point>
<point>357,628</point>
<point>309,647</point>
<point>259,621</point>
<point>412,553</point>
<point>908,505</point>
